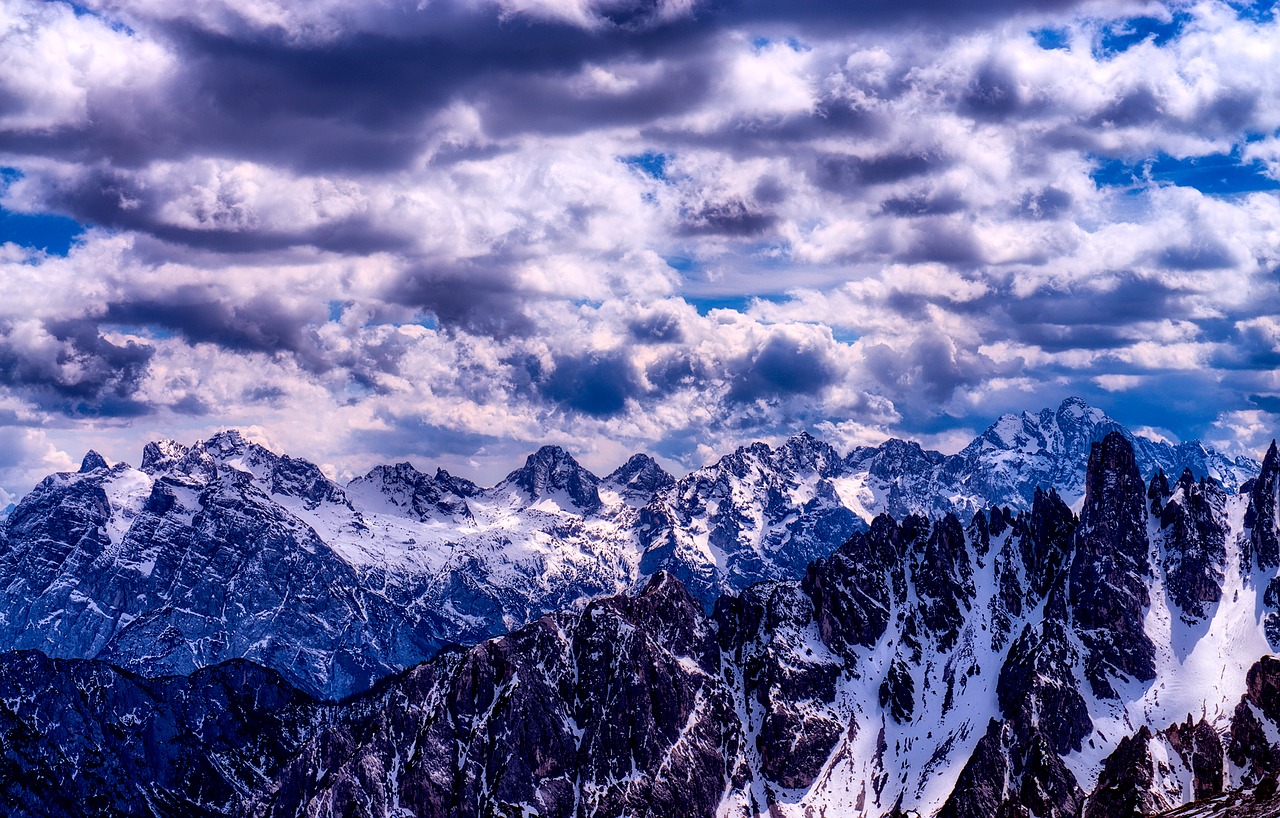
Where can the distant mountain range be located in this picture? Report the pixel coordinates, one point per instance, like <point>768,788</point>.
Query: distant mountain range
<point>224,549</point>
<point>1014,663</point>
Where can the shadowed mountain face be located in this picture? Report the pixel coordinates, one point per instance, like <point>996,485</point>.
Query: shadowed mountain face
<point>1016,664</point>
<point>227,550</point>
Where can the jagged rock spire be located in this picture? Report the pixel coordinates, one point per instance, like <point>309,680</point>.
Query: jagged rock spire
<point>1109,572</point>
<point>1260,518</point>
<point>92,461</point>
<point>551,469</point>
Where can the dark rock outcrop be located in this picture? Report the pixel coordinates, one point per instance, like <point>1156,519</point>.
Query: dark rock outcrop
<point>639,479</point>
<point>855,588</point>
<point>1261,518</point>
<point>786,687</point>
<point>1109,569</point>
<point>1037,689</point>
<point>1256,718</point>
<point>1010,776</point>
<point>83,738</point>
<point>205,572</point>
<point>550,471</point>
<point>553,718</point>
<point>1201,750</point>
<point>1194,534</point>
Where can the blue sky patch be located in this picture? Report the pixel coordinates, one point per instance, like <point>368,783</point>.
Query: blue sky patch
<point>1121,35</point>
<point>1260,11</point>
<point>650,163</point>
<point>682,264</point>
<point>1214,174</point>
<point>42,231</point>
<point>1051,39</point>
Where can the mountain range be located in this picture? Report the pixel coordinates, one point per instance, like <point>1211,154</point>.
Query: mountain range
<point>224,549</point>
<point>1035,662</point>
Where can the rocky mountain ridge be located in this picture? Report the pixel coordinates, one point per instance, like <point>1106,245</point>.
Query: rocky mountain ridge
<point>1014,664</point>
<point>225,549</point>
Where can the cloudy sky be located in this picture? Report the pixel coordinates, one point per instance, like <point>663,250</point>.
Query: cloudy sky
<point>453,230</point>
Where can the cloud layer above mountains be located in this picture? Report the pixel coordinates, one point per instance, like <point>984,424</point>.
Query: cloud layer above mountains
<point>455,229</point>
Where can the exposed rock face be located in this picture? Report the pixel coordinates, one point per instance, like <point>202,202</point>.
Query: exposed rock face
<point>1261,517</point>
<point>758,514</point>
<point>552,474</point>
<point>854,589</point>
<point>1262,520</point>
<point>82,738</point>
<point>1020,453</point>
<point>1009,775</point>
<point>1110,571</point>
<point>1037,690</point>
<point>787,686</point>
<point>154,596</point>
<point>422,497</point>
<point>1127,784</point>
<point>943,580</point>
<point>1200,749</point>
<point>1045,544</point>
<point>92,462</point>
<point>548,719</point>
<point>1256,721</point>
<point>384,571</point>
<point>1257,802</point>
<point>1194,532</point>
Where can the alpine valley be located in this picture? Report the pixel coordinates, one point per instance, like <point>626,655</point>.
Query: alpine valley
<point>1061,620</point>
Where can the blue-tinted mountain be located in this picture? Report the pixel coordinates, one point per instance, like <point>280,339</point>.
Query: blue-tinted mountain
<point>1014,663</point>
<point>224,549</point>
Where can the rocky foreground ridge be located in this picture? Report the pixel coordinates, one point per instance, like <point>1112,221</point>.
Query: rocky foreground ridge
<point>1015,663</point>
<point>225,549</point>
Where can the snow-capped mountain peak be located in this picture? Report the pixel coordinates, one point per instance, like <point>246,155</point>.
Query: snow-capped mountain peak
<point>552,475</point>
<point>638,480</point>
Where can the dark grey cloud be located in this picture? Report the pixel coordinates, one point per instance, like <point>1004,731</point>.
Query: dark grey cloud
<point>1246,347</point>
<point>201,315</point>
<point>1047,203</point>
<point>994,93</point>
<point>927,373</point>
<point>356,103</point>
<point>924,203</point>
<point>80,374</point>
<point>512,104</point>
<point>849,174</point>
<point>782,366</point>
<point>119,200</point>
<point>834,15</point>
<point>731,218</point>
<point>657,327</point>
<point>1230,110</point>
<point>595,383</point>
<point>1137,106</point>
<point>676,370</point>
<point>479,296</point>
<point>1086,318</point>
<point>943,239</point>
<point>1206,253</point>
